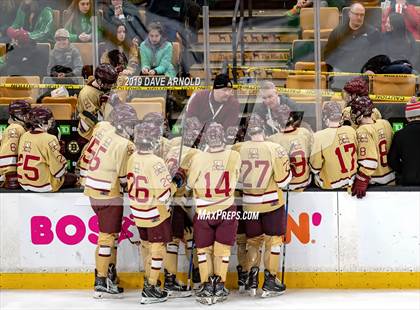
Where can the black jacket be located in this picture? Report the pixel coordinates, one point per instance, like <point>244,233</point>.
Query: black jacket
<point>404,155</point>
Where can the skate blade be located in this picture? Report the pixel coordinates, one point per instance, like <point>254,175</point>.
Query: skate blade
<point>103,295</point>
<point>176,294</point>
<point>219,299</point>
<point>152,300</point>
<point>252,292</point>
<point>205,300</point>
<point>267,294</point>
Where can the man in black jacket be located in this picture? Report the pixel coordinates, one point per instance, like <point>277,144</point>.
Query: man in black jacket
<point>404,154</point>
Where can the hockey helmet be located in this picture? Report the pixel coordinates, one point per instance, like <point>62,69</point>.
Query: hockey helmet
<point>41,117</point>
<point>19,109</point>
<point>191,130</point>
<point>214,135</point>
<point>360,107</point>
<point>231,134</point>
<point>146,136</point>
<point>281,113</point>
<point>331,111</point>
<point>106,76</point>
<point>124,119</point>
<point>155,118</point>
<point>255,124</point>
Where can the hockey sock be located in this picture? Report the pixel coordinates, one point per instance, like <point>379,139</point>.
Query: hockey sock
<point>157,250</point>
<point>253,254</point>
<point>221,260</point>
<point>241,252</point>
<point>114,250</point>
<point>145,255</point>
<point>272,253</point>
<point>103,253</point>
<point>205,262</point>
<point>171,256</point>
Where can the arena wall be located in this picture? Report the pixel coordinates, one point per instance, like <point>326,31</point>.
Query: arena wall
<point>334,241</point>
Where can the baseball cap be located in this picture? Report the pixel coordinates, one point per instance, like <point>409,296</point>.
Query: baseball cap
<point>222,81</point>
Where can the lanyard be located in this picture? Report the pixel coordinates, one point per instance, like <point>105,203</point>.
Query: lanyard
<point>212,109</point>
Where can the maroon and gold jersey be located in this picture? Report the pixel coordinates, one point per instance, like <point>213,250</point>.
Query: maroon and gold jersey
<point>41,166</point>
<point>297,143</point>
<point>374,141</point>
<point>88,100</point>
<point>107,154</point>
<point>149,189</point>
<point>213,178</point>
<point>265,170</point>
<point>334,157</point>
<point>9,148</point>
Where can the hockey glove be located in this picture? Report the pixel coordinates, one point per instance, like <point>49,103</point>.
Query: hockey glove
<point>360,185</point>
<point>179,178</point>
<point>90,117</point>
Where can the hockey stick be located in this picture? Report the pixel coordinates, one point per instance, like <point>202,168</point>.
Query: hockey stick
<point>137,242</point>
<point>283,263</point>
<point>190,267</point>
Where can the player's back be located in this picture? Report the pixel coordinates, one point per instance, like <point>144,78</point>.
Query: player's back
<point>334,157</point>
<point>379,137</point>
<point>213,177</point>
<point>109,153</point>
<point>265,168</point>
<point>41,166</point>
<point>149,187</point>
<point>297,143</point>
<point>9,148</point>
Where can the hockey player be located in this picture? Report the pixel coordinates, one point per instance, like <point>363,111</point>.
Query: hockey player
<point>181,218</point>
<point>41,167</point>
<point>265,170</point>
<point>149,190</point>
<point>373,142</point>
<point>108,153</point>
<point>91,101</point>
<point>334,159</point>
<point>18,117</point>
<point>213,179</point>
<point>297,141</point>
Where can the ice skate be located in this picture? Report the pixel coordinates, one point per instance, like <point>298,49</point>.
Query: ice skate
<point>220,291</point>
<point>253,281</point>
<point>175,289</point>
<point>272,286</point>
<point>112,275</point>
<point>206,293</point>
<point>152,294</point>
<point>104,288</point>
<point>242,278</point>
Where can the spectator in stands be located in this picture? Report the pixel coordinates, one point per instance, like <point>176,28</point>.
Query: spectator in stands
<point>78,24</point>
<point>120,11</point>
<point>404,154</point>
<point>216,105</point>
<point>32,21</point>
<point>295,11</point>
<point>24,57</point>
<point>350,45</point>
<point>410,14</point>
<point>8,9</point>
<point>400,53</point>
<point>156,53</point>
<point>65,55</point>
<point>119,41</point>
<point>271,99</point>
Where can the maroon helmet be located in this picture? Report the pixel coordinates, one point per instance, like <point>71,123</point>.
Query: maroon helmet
<point>146,136</point>
<point>255,124</point>
<point>231,134</point>
<point>19,109</point>
<point>360,107</point>
<point>281,113</point>
<point>40,117</point>
<point>155,118</point>
<point>356,87</point>
<point>215,135</point>
<point>331,110</point>
<point>124,117</point>
<point>191,130</point>
<point>106,76</point>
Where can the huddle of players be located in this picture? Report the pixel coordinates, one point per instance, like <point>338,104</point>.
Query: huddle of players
<point>164,179</point>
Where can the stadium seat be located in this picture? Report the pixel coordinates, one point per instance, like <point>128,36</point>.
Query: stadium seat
<point>61,111</point>
<point>373,16</point>
<point>8,100</point>
<point>62,100</point>
<point>309,66</point>
<point>304,81</point>
<point>303,50</point>
<point>85,51</point>
<point>19,92</point>
<point>329,19</point>
<point>176,52</point>
<point>2,49</point>
<point>394,85</point>
<point>66,16</point>
<point>146,105</point>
